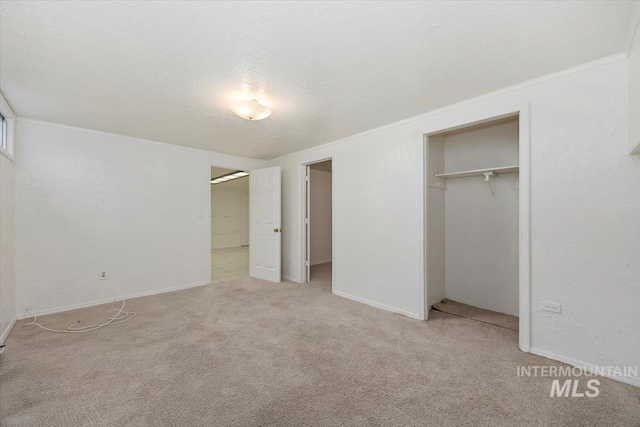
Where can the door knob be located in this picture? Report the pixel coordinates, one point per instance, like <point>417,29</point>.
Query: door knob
<point>277,230</point>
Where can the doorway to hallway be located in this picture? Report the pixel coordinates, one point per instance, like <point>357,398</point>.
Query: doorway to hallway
<point>229,224</point>
<point>229,263</point>
<point>319,222</point>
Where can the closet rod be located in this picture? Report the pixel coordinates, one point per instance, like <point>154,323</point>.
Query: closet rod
<point>478,172</point>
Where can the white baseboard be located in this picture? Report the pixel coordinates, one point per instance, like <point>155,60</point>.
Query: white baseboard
<point>377,305</point>
<point>585,366</point>
<point>27,315</point>
<point>291,279</point>
<point>6,332</point>
<point>324,261</point>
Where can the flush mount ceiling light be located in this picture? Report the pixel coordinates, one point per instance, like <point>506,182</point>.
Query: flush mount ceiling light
<point>251,109</point>
<point>229,177</point>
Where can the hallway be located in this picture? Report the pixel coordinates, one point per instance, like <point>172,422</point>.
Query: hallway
<point>229,263</point>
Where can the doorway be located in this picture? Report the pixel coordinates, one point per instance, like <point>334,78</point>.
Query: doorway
<point>318,221</point>
<point>477,222</point>
<point>229,224</point>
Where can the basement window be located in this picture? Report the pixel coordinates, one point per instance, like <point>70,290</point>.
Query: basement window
<point>3,143</point>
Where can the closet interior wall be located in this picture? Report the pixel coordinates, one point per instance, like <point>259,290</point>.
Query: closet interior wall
<point>472,224</point>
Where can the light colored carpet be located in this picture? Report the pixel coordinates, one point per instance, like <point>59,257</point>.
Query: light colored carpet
<point>251,353</point>
<point>479,314</point>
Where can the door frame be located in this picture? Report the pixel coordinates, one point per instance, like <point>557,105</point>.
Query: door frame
<point>302,172</point>
<point>524,214</point>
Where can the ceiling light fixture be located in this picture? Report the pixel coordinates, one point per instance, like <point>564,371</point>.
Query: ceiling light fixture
<point>251,109</point>
<point>229,177</point>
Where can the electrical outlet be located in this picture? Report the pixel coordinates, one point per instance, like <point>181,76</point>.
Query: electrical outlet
<point>553,307</point>
<point>103,275</point>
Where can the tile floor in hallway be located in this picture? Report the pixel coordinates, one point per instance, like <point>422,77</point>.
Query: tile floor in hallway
<point>229,263</point>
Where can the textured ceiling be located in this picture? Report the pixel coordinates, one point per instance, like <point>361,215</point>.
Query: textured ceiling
<point>167,70</point>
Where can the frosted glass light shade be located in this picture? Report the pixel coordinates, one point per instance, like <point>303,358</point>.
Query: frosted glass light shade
<point>251,110</point>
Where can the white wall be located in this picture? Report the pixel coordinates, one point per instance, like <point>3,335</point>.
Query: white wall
<point>230,214</point>
<point>320,216</point>
<point>634,94</point>
<point>89,201</point>
<point>481,147</point>
<point>7,244</point>
<point>585,207</point>
<point>481,229</point>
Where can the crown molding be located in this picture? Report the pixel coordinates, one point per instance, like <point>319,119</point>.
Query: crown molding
<point>543,79</point>
<point>546,78</point>
<point>133,138</point>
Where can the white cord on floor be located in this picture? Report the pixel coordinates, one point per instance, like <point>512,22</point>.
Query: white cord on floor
<point>120,317</point>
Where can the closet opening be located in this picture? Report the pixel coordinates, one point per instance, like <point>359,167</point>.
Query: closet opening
<point>473,222</point>
<point>318,223</point>
<point>229,224</point>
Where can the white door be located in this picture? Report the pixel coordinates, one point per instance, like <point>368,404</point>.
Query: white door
<point>265,228</point>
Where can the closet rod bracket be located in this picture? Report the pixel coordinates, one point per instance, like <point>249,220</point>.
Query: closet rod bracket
<point>487,178</point>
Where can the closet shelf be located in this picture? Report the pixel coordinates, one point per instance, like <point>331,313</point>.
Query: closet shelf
<point>478,172</point>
